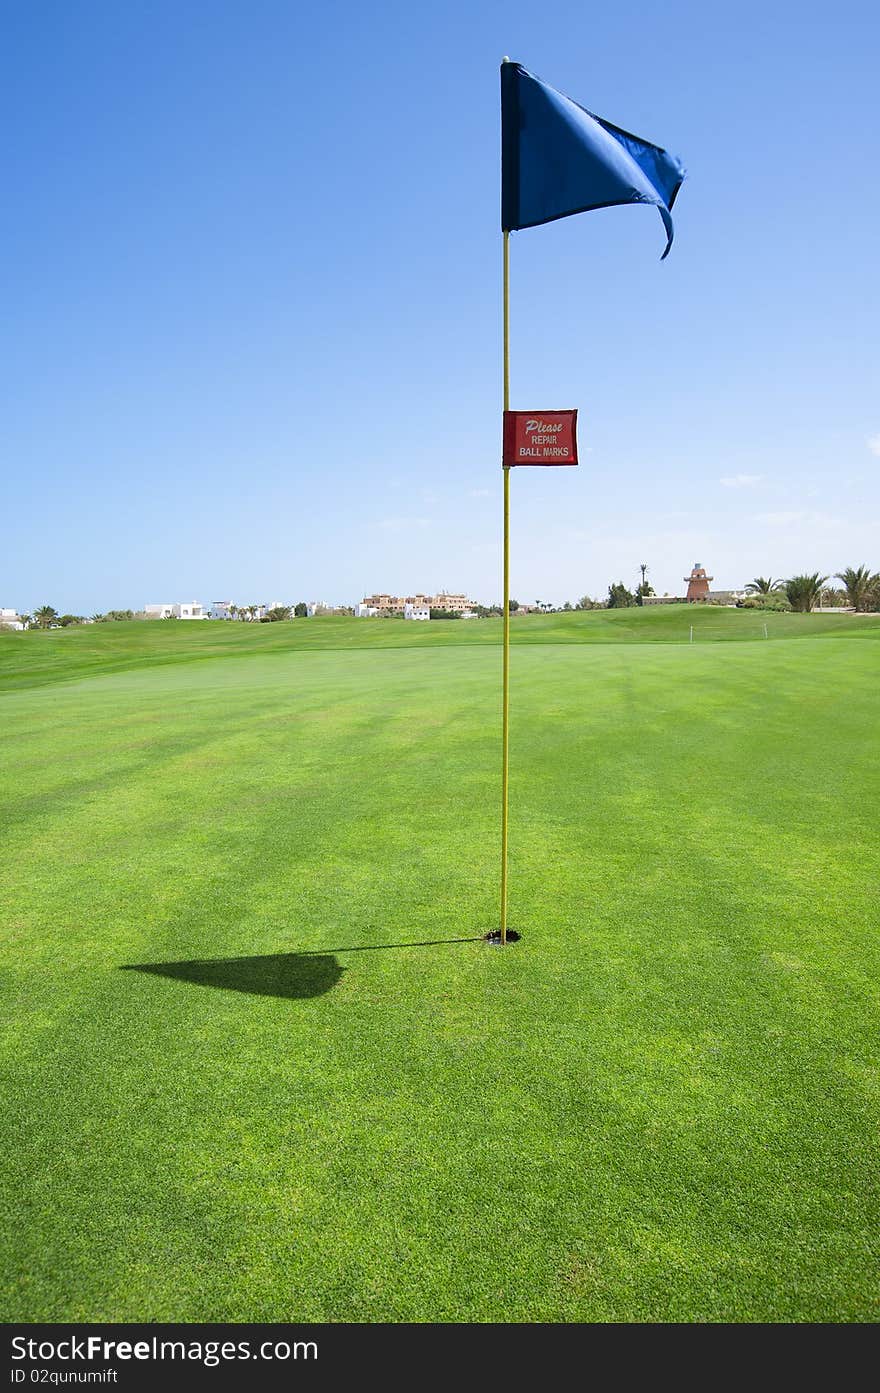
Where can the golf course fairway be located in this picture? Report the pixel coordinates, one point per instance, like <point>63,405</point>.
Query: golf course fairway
<point>257,1063</point>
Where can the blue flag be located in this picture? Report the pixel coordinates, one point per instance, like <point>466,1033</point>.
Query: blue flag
<point>557,158</point>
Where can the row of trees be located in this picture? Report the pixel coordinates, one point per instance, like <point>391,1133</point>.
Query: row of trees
<point>249,613</point>
<point>619,596</point>
<point>861,590</point>
<point>298,611</point>
<point>47,617</point>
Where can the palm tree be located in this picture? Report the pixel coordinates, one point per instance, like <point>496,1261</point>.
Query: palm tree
<point>26,620</point>
<point>803,592</point>
<point>645,588</point>
<point>233,610</point>
<point>45,616</point>
<point>764,585</point>
<point>860,586</point>
<point>832,599</point>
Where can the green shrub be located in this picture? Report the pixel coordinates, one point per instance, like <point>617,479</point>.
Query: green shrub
<point>776,602</point>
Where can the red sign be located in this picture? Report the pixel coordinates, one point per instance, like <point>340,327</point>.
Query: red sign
<point>540,437</point>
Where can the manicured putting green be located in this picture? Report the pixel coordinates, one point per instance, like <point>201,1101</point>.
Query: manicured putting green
<point>257,1064</point>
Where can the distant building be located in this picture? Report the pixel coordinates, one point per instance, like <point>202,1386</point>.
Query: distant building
<point>384,605</point>
<point>10,619</point>
<point>221,609</point>
<point>456,604</point>
<point>697,592</point>
<point>698,584</point>
<point>412,611</point>
<point>364,611</point>
<point>189,610</point>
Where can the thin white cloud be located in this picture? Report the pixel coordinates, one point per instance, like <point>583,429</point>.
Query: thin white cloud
<point>874,444</point>
<point>741,481</point>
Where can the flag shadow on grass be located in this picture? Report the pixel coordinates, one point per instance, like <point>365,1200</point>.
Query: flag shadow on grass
<point>289,975</point>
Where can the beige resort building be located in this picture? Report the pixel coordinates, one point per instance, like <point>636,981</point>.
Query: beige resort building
<point>412,606</point>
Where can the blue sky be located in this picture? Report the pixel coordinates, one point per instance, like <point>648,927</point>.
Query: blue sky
<point>252,295</point>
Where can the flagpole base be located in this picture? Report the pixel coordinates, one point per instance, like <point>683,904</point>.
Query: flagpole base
<point>494,937</point>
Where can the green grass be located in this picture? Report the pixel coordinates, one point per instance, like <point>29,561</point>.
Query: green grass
<point>36,657</point>
<point>660,1105</point>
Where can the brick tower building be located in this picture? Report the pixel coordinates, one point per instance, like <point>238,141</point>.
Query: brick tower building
<point>698,584</point>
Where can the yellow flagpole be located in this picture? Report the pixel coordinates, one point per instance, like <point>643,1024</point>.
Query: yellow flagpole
<point>505,681</point>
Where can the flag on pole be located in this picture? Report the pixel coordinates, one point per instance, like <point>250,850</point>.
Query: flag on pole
<point>557,158</point>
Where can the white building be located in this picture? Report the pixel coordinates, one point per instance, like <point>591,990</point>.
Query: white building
<point>190,610</point>
<point>416,611</point>
<point>10,619</point>
<point>221,609</point>
<point>363,611</point>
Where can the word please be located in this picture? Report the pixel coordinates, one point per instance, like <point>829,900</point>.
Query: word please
<point>534,425</point>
